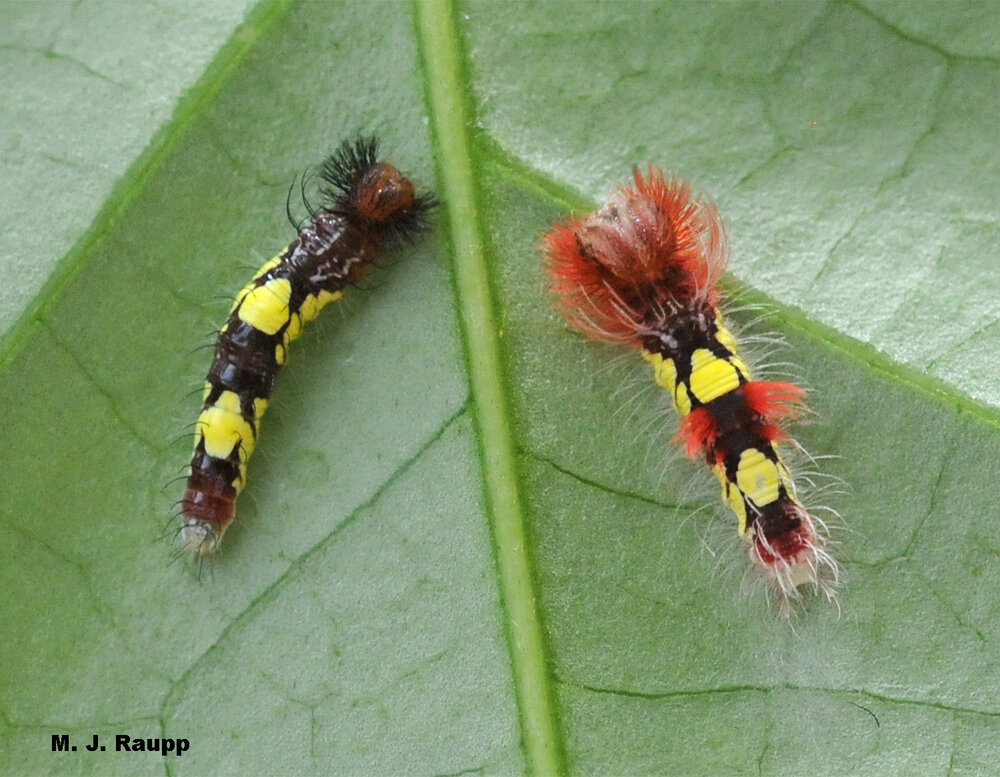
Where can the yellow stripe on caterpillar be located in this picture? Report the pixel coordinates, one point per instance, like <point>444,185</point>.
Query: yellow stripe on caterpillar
<point>265,308</point>
<point>664,371</point>
<point>757,477</point>
<point>733,499</point>
<point>295,324</point>
<point>223,427</point>
<point>665,374</point>
<point>724,336</point>
<point>711,376</point>
<point>314,303</point>
<point>265,268</point>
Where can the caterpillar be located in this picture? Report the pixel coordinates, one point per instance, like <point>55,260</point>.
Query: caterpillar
<point>643,272</point>
<point>366,203</point>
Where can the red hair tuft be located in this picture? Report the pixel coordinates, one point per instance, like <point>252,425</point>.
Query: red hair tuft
<point>774,400</point>
<point>698,431</point>
<point>623,270</point>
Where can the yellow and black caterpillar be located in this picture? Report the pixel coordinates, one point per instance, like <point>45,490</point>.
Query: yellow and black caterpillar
<point>644,271</point>
<point>366,203</point>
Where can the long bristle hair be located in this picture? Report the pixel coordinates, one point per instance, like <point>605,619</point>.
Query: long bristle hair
<point>345,172</point>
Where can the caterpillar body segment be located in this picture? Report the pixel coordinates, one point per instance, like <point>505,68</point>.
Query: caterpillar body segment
<point>366,203</point>
<point>642,271</point>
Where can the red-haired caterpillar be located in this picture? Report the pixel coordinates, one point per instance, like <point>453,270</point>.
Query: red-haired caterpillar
<point>642,271</point>
<point>366,203</point>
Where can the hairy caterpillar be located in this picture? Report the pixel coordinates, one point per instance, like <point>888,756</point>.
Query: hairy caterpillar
<point>642,271</point>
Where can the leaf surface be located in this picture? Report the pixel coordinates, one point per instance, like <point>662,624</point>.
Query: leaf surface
<point>465,547</point>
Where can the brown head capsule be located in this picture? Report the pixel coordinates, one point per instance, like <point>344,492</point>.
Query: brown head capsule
<point>383,194</point>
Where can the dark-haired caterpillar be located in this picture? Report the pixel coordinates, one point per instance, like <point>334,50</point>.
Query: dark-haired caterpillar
<point>366,202</point>
<point>642,271</point>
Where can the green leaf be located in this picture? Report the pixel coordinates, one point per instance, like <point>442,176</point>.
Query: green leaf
<point>465,547</point>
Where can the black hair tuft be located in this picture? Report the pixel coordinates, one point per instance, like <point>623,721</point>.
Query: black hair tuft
<point>348,165</point>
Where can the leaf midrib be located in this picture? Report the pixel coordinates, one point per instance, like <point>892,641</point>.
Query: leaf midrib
<point>451,117</point>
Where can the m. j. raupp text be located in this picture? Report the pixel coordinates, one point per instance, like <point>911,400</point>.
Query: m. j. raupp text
<point>125,744</point>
